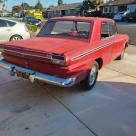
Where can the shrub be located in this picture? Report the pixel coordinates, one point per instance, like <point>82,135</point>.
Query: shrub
<point>31,27</point>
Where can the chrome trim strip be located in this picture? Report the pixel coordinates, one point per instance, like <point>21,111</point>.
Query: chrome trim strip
<point>26,54</point>
<point>63,82</point>
<point>94,50</point>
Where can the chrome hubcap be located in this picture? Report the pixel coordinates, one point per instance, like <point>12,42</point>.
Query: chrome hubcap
<point>92,75</point>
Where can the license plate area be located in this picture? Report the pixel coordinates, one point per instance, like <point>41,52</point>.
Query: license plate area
<point>21,74</point>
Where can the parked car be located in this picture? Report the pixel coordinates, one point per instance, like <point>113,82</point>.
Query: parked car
<point>121,16</point>
<point>11,30</point>
<point>32,20</point>
<point>67,51</point>
<point>17,15</point>
<point>131,17</point>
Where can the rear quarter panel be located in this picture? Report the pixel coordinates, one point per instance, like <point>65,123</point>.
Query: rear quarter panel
<point>106,49</point>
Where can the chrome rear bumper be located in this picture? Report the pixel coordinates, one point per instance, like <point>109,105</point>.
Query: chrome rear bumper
<point>34,75</point>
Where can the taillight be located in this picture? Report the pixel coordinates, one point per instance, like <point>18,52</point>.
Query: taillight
<point>1,49</point>
<point>58,59</point>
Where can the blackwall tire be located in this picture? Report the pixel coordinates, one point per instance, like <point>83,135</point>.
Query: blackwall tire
<point>91,78</point>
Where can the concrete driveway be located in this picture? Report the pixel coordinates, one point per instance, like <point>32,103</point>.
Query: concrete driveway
<point>44,110</point>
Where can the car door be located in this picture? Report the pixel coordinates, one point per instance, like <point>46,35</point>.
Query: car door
<point>109,38</point>
<point>115,39</point>
<point>5,31</point>
<point>106,41</point>
<point>117,46</point>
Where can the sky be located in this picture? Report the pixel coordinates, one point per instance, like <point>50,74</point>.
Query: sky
<point>45,3</point>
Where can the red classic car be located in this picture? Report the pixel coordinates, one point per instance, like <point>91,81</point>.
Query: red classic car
<point>67,51</point>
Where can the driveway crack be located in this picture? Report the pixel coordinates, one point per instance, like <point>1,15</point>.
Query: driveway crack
<point>70,111</point>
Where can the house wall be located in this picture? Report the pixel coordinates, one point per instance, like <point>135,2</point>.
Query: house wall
<point>115,9</point>
<point>132,7</point>
<point>105,1</point>
<point>58,13</point>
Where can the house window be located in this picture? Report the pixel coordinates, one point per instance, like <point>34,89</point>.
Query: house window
<point>110,9</point>
<point>105,9</point>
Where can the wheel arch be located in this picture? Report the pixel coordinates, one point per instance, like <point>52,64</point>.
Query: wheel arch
<point>100,62</point>
<point>126,44</point>
<point>15,35</point>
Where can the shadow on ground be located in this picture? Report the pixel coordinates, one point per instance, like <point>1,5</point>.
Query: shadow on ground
<point>27,109</point>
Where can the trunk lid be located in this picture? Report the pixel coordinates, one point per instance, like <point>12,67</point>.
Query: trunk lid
<point>47,44</point>
<point>35,53</point>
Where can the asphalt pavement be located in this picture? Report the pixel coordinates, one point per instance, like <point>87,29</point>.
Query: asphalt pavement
<point>128,28</point>
<point>44,110</point>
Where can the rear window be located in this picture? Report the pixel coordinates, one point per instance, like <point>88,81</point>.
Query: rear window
<point>73,29</point>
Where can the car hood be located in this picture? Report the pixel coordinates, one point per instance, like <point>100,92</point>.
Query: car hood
<point>48,44</point>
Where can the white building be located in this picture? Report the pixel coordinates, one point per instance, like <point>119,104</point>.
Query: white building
<point>118,5</point>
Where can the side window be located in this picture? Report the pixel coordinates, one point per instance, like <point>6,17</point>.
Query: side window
<point>108,29</point>
<point>112,29</point>
<point>105,30</point>
<point>3,23</point>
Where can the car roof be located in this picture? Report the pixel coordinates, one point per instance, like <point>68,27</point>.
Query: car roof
<point>81,18</point>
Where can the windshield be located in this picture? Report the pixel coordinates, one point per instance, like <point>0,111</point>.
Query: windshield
<point>73,29</point>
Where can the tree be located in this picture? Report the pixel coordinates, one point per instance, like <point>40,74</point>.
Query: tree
<point>17,9</point>
<point>60,2</point>
<point>98,2</point>
<point>25,6</point>
<point>38,5</point>
<point>87,5</point>
<point>3,3</point>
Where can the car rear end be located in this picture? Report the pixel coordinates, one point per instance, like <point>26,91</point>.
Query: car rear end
<point>34,65</point>
<point>49,56</point>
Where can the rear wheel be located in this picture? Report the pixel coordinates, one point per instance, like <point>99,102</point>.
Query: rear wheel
<point>15,38</point>
<point>91,78</point>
